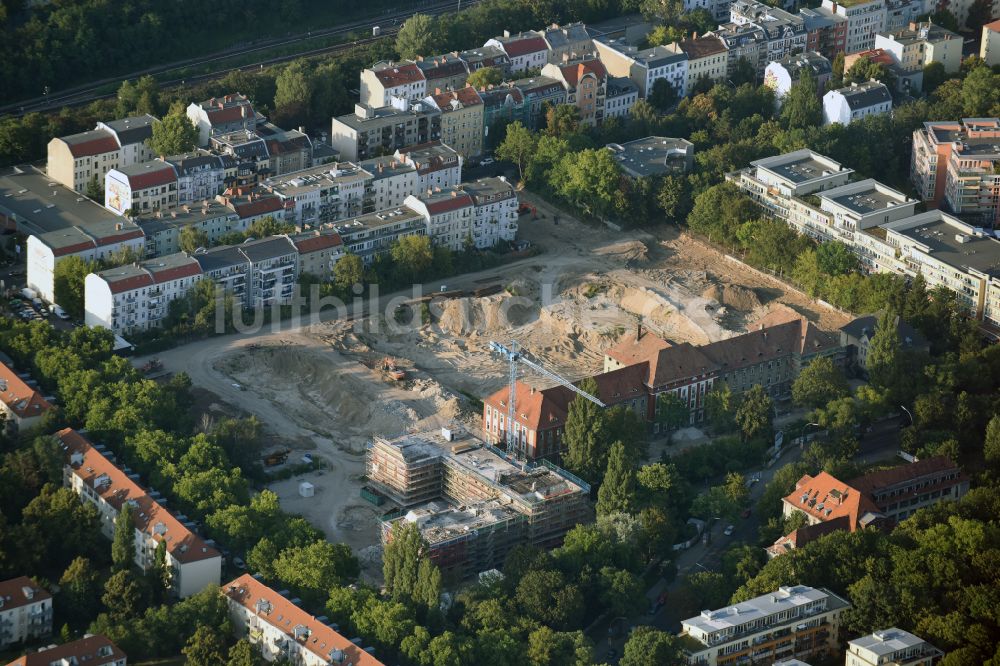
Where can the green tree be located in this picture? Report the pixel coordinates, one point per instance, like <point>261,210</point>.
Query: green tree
<point>191,238</point>
<point>883,361</point>
<point>617,492</point>
<point>562,120</point>
<point>672,412</point>
<point>674,198</point>
<point>317,567</point>
<point>417,37</point>
<point>547,597</point>
<point>558,648</point>
<point>586,435</point>
<point>79,590</point>
<point>934,76</point>
<point>173,135</point>
<point>801,107</point>
<point>720,408</point>
<point>484,77</point>
<point>979,15</point>
<point>991,443</point>
<point>243,653</point>
<point>591,180</point>
<point>401,561</point>
<point>123,545</point>
<point>753,416</point>
<point>663,95</point>
<point>819,383</point>
<point>837,78</point>
<point>647,645</point>
<point>205,648</point>
<point>348,271</point>
<point>293,97</point>
<point>412,255</point>
<point>95,190</point>
<point>160,578</point>
<point>68,283</point>
<point>835,258</point>
<point>518,146</point>
<point>268,226</point>
<point>122,595</point>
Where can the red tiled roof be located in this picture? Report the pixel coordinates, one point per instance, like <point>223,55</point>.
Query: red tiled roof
<point>994,26</point>
<point>573,72</point>
<point>467,96</point>
<point>800,537</point>
<point>317,243</point>
<point>259,206</point>
<point>282,614</point>
<point>97,146</point>
<point>524,46</point>
<point>874,481</point>
<point>398,75</point>
<point>448,204</point>
<point>116,488</point>
<point>20,398</point>
<point>152,177</point>
<point>130,283</point>
<point>73,249</point>
<point>13,592</point>
<point>93,651</point>
<point>879,56</point>
<point>680,362</point>
<point>702,47</point>
<point>538,409</point>
<point>824,497</point>
<point>118,238</point>
<point>623,384</point>
<point>628,351</point>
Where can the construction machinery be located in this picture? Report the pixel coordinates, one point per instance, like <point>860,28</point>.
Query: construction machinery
<point>391,370</point>
<point>517,356</point>
<point>276,458</point>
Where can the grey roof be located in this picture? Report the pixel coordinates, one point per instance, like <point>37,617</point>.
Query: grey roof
<point>385,115</point>
<point>493,188</point>
<point>799,166</point>
<point>655,56</point>
<point>560,36</point>
<point>218,258</point>
<point>155,222</point>
<point>887,641</point>
<point>135,129</point>
<point>154,165</point>
<point>57,215</point>
<point>483,53</point>
<point>925,32</point>
<point>868,324</point>
<point>539,84</point>
<point>936,231</point>
<point>783,599</point>
<point>864,95</point>
<point>190,162</point>
<point>816,63</point>
<point>84,137</point>
<point>819,18</point>
<point>385,166</point>
<point>652,155</point>
<point>267,248</point>
<point>621,85</point>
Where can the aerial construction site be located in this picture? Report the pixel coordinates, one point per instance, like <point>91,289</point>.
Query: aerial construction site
<point>327,389</point>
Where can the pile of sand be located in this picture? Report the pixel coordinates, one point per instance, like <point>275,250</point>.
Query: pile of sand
<point>633,251</point>
<point>733,296</point>
<point>486,317</point>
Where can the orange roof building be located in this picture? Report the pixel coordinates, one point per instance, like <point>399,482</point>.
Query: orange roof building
<point>92,474</point>
<point>25,611</point>
<point>23,405</point>
<point>90,650</point>
<point>279,628</point>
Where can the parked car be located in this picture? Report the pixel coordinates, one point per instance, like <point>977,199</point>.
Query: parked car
<point>729,530</point>
<point>59,312</point>
<point>486,161</point>
<point>239,563</point>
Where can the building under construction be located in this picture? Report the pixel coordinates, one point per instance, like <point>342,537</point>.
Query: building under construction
<point>471,502</point>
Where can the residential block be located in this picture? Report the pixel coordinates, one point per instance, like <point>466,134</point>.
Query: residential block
<point>90,650</point>
<point>891,647</point>
<point>79,159</point>
<point>22,406</point>
<point>25,611</point>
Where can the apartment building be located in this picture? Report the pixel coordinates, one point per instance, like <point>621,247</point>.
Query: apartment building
<point>90,650</point>
<point>856,101</point>
<point>793,621</point>
<point>162,229</point>
<point>826,32</point>
<point>891,647</point>
<point>443,72</point>
<point>719,9</point>
<point>865,18</point>
<point>89,471</point>
<point>372,235</point>
<point>449,214</point>
<point>527,51</point>
<point>953,165</point>
<point>586,83</point>
<point>644,66</point>
<point>486,56</point>
<point>881,498</point>
<point>919,44</point>
<point>319,252</point>
<point>375,131</point>
<point>136,297</point>
<point>708,59</point>
<point>865,204</point>
<point>495,211</point>
<point>141,187</point>
<point>248,152</point>
<point>653,156</point>
<point>622,94</point>
<point>952,254</point>
<point>200,176</point>
<point>79,159</point>
<point>384,82</point>
<point>281,630</point>
<point>22,405</point>
<point>567,42</point>
<point>222,115</point>
<point>989,49</point>
<point>25,611</point>
<point>743,42</point>
<point>502,105</point>
<point>461,120</point>
<point>323,194</point>
<point>288,150</point>
<point>59,223</point>
<point>539,93</point>
<point>471,502</point>
<point>259,273</point>
<point>393,179</point>
<point>437,165</point>
<point>784,33</point>
<point>782,74</point>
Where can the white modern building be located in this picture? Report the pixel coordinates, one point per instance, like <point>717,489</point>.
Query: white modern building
<point>865,18</point>
<point>919,44</point>
<point>793,621</point>
<point>495,213</point>
<point>856,101</point>
<point>193,562</point>
<point>25,611</point>
<point>482,213</point>
<point>644,66</point>
<point>891,647</point>
<point>200,176</point>
<point>323,194</point>
<point>136,297</point>
<point>865,204</point>
<point>622,94</point>
<point>449,215</point>
<point>281,630</point>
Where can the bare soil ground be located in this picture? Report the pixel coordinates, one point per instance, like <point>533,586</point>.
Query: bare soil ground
<point>320,388</point>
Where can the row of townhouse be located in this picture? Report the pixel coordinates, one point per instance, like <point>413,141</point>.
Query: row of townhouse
<point>257,273</point>
<point>792,623</point>
<point>90,471</point>
<point>814,195</point>
<point>260,273</point>
<point>643,366</point>
<point>78,160</point>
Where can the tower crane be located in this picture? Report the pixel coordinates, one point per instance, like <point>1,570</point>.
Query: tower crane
<point>515,355</point>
